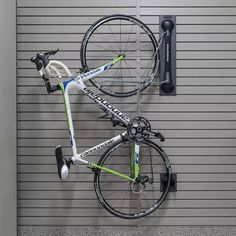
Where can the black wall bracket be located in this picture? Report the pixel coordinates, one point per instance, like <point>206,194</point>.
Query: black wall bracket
<point>173,182</point>
<point>167,29</point>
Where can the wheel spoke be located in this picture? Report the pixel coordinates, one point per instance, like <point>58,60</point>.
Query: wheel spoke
<point>128,68</point>
<point>113,34</point>
<point>145,198</point>
<point>135,61</point>
<point>113,192</point>
<point>148,69</point>
<point>104,40</point>
<point>142,47</point>
<point>129,37</point>
<point>135,41</point>
<point>124,199</point>
<point>107,49</point>
<point>134,70</point>
<point>120,35</point>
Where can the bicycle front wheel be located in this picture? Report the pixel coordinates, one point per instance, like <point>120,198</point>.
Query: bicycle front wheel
<point>115,35</point>
<point>126,199</point>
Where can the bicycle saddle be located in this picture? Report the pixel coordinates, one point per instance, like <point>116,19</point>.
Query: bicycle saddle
<point>62,165</point>
<point>44,57</point>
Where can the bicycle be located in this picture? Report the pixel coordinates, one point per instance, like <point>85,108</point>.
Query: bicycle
<point>127,176</point>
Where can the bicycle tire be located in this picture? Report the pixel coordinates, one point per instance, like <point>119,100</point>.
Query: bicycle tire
<point>110,188</point>
<point>104,40</point>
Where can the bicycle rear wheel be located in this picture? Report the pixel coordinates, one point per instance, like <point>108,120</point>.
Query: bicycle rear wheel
<point>126,199</point>
<point>115,35</point>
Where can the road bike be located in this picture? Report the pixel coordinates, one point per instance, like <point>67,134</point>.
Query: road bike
<point>127,178</point>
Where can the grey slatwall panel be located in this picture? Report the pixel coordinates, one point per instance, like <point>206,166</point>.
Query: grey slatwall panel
<point>199,123</point>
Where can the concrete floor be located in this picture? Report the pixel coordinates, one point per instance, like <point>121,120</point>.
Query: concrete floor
<point>127,231</point>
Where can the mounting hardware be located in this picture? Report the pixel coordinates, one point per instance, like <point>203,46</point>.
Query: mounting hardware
<point>173,182</point>
<point>168,55</point>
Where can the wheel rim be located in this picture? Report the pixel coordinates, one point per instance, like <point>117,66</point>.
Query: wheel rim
<point>113,36</point>
<point>116,195</point>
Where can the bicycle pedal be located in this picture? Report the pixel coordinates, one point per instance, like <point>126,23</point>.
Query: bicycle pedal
<point>62,167</point>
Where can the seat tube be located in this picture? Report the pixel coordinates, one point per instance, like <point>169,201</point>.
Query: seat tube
<point>134,160</point>
<point>69,118</point>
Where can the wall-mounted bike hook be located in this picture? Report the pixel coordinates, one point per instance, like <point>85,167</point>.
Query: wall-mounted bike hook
<point>168,55</point>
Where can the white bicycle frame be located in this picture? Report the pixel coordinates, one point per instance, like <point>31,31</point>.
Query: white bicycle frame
<point>78,82</point>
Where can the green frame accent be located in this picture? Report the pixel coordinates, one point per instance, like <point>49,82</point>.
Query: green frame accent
<point>115,60</point>
<point>113,172</point>
<point>135,165</point>
<point>132,171</point>
<point>63,93</point>
<point>118,58</point>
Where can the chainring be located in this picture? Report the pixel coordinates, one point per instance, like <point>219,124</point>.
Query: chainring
<point>138,129</point>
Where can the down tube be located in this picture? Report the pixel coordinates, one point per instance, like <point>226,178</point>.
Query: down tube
<point>107,107</point>
<point>69,118</point>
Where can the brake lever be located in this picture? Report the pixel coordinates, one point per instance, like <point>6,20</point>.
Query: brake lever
<point>44,57</point>
<point>37,62</point>
<point>51,53</point>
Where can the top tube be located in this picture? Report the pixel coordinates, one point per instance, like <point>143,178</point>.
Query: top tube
<point>90,74</point>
